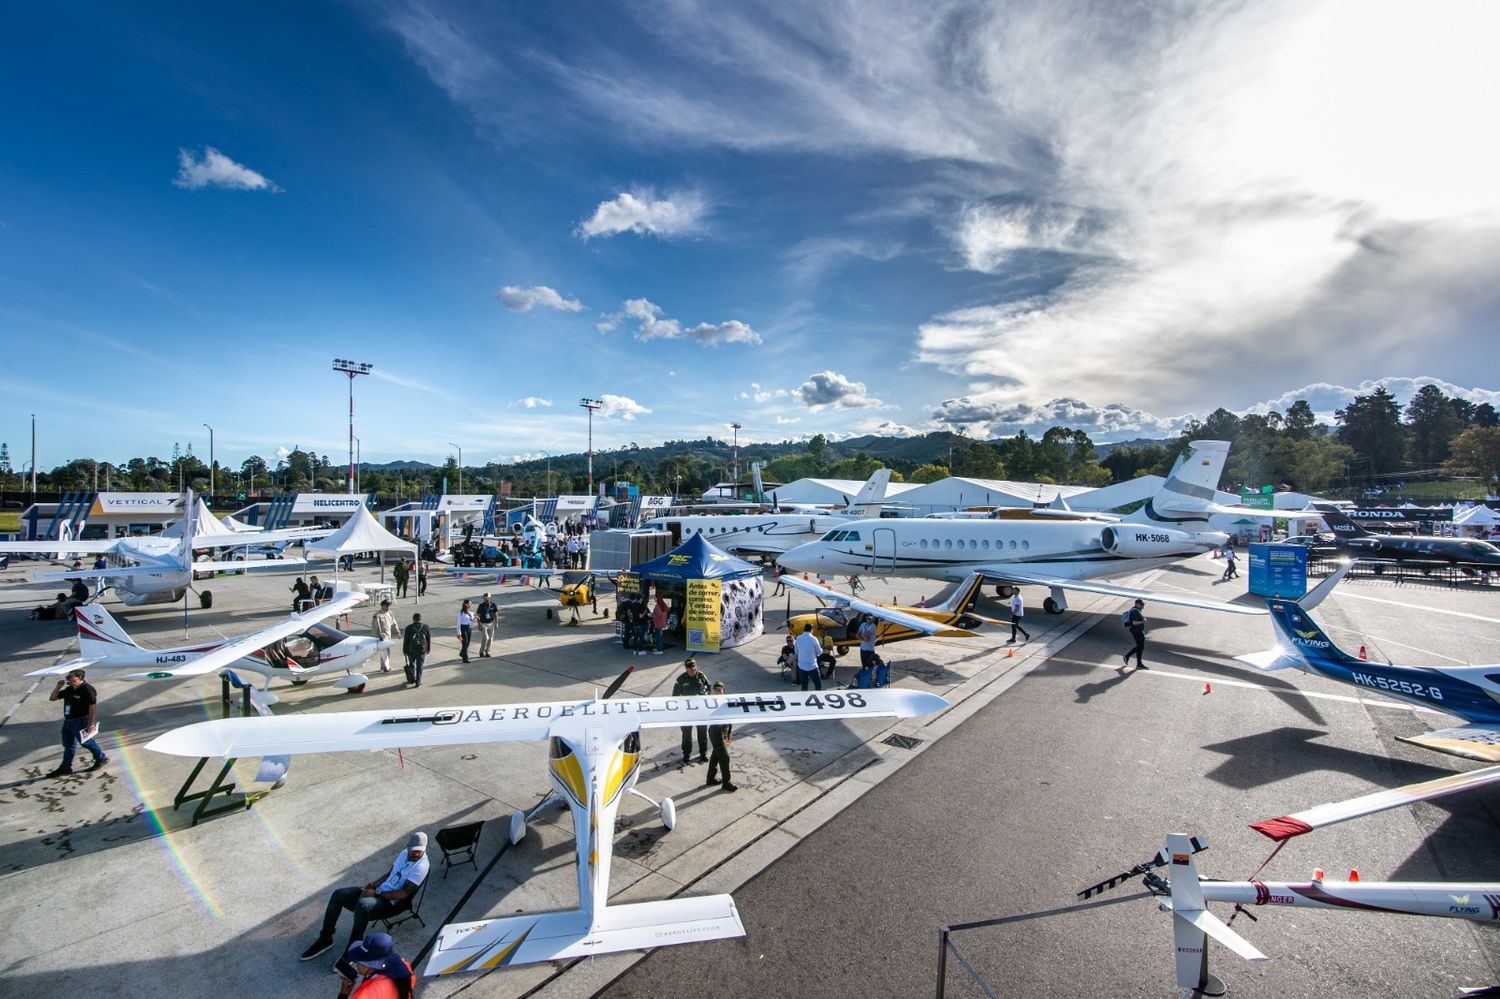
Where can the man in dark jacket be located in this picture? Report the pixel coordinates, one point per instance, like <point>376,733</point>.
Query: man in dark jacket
<point>692,683</point>
<point>416,643</point>
<point>718,737</point>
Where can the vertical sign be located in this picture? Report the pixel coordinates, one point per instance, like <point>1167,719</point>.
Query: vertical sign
<point>702,614</point>
<point>1278,571</point>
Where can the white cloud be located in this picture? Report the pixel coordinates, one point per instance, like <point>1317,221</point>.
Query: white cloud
<point>642,213</point>
<point>998,412</point>
<point>525,299</point>
<point>1325,398</point>
<point>786,420</point>
<point>653,327</point>
<point>532,402</point>
<point>812,259</point>
<point>622,406</point>
<point>761,394</point>
<point>406,381</point>
<point>829,389</point>
<point>215,169</point>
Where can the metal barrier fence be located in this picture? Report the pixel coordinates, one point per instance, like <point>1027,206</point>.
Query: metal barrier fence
<point>1398,574</point>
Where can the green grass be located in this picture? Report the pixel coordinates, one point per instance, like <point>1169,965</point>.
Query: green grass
<point>1442,489</point>
<point>10,522</point>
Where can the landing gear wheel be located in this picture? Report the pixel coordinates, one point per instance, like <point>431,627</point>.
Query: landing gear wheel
<point>356,690</point>
<point>1005,591</point>
<point>549,613</point>
<point>517,827</point>
<point>298,682</point>
<point>668,813</point>
<point>1050,606</point>
<point>841,651</point>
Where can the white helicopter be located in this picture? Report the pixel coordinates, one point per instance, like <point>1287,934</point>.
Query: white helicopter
<point>297,649</point>
<point>593,760</point>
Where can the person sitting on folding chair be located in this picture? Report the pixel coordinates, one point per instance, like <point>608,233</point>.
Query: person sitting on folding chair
<point>375,899</point>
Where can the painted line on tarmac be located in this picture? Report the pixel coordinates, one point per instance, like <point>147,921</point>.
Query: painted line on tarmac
<point>1411,606</point>
<point>17,706</point>
<point>1379,641</point>
<point>1320,695</point>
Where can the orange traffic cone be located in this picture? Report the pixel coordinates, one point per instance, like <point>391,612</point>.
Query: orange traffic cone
<point>922,602</point>
<point>1010,653</point>
<point>1353,875</point>
<point>1208,688</point>
<point>1317,874</point>
<point>1362,656</point>
<point>804,577</point>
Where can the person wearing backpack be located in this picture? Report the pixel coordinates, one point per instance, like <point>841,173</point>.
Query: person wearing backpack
<point>1135,620</point>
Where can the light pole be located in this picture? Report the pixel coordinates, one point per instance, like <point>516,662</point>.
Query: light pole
<point>33,457</point>
<point>736,428</point>
<point>460,467</point>
<point>213,485</point>
<point>359,461</point>
<point>353,369</point>
<point>591,405</point>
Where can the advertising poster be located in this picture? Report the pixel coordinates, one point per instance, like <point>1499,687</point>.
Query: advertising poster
<point>1278,571</point>
<point>702,615</point>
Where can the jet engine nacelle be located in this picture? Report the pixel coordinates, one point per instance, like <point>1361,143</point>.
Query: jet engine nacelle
<point>1135,542</point>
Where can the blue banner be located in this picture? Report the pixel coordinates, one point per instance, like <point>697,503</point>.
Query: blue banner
<point>1278,571</point>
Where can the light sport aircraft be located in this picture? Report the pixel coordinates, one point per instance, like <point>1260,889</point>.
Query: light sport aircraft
<point>297,649</point>
<point>778,531</point>
<point>1059,554</point>
<point>593,760</point>
<point>950,617</point>
<point>1470,692</point>
<point>161,565</point>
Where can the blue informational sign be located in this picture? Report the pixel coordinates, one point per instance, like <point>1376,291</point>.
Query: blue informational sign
<point>1278,571</point>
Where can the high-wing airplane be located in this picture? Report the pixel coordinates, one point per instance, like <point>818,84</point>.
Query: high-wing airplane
<point>1058,554</point>
<point>1413,551</point>
<point>1470,692</point>
<point>580,587</point>
<point>950,617</point>
<point>297,649</point>
<point>594,751</point>
<point>778,531</point>
<point>159,568</point>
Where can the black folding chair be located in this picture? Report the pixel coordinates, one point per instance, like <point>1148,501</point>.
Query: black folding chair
<point>459,842</point>
<point>395,919</point>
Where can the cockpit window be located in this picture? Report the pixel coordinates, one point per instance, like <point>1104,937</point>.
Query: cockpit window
<point>831,536</point>
<point>851,536</point>
<point>324,636</point>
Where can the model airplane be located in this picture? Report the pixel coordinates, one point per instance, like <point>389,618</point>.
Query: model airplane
<point>297,649</point>
<point>951,617</point>
<point>579,586</point>
<point>1059,554</point>
<point>593,760</point>
<point>1470,692</point>
<point>1421,552</point>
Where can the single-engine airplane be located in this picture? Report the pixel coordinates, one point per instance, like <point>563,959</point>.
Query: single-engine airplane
<point>297,649</point>
<point>594,752</point>
<point>1470,692</point>
<point>950,616</point>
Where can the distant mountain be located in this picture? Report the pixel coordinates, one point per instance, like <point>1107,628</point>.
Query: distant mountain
<point>398,466</point>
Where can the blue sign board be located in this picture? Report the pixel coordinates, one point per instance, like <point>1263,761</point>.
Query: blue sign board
<point>1278,571</point>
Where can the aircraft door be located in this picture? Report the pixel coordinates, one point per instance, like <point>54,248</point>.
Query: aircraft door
<point>884,556</point>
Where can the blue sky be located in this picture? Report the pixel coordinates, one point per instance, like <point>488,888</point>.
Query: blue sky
<point>826,217</point>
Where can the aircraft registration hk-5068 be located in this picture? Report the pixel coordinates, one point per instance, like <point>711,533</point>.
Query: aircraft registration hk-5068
<point>1061,554</point>
<point>594,761</point>
<point>1470,692</point>
<point>951,616</point>
<point>162,565</point>
<point>298,649</point>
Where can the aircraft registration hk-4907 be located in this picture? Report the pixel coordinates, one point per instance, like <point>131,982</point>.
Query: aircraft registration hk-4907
<point>1061,554</point>
<point>298,649</point>
<point>951,616</point>
<point>1470,692</point>
<point>594,755</point>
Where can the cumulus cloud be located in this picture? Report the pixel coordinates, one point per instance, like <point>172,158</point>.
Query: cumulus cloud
<point>761,394</point>
<point>654,327</point>
<point>214,169</point>
<point>787,420</point>
<point>831,390</point>
<point>642,213</point>
<point>1325,398</point>
<point>533,402</point>
<point>622,406</point>
<point>997,412</point>
<point>518,299</point>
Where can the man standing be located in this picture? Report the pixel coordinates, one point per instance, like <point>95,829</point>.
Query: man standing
<point>80,721</point>
<point>401,572</point>
<point>807,659</point>
<point>1231,569</point>
<point>1135,620</point>
<point>383,626</point>
<point>867,635</point>
<point>692,684</point>
<point>1017,612</point>
<point>659,624</point>
<point>422,578</point>
<point>375,899</point>
<point>718,737</point>
<point>416,644</point>
<point>488,615</point>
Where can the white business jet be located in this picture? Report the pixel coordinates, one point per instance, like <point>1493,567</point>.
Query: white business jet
<point>594,760</point>
<point>1058,554</point>
<point>297,649</point>
<point>161,566</point>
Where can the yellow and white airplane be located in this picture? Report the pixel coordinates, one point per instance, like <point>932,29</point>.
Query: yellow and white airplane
<point>594,753</point>
<point>950,617</point>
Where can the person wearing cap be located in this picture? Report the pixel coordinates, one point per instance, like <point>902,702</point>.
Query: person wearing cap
<point>718,737</point>
<point>375,899</point>
<point>383,626</point>
<point>692,683</point>
<point>416,644</point>
<point>1135,620</point>
<point>488,615</point>
<point>371,969</point>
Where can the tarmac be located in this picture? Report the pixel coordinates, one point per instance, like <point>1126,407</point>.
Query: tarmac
<point>845,852</point>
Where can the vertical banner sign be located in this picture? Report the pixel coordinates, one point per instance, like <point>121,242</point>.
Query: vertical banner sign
<point>702,614</point>
<point>1278,571</point>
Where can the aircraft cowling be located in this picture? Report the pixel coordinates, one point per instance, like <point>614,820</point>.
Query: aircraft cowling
<point>1130,541</point>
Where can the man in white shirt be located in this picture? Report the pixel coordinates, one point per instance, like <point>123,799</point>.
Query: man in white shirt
<point>383,626</point>
<point>376,899</point>
<point>807,658</point>
<point>1017,611</point>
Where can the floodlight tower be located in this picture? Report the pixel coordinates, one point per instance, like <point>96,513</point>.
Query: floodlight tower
<point>736,428</point>
<point>212,485</point>
<point>591,405</point>
<point>353,369</point>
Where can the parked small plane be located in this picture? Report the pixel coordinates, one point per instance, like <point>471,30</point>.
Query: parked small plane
<point>1059,554</point>
<point>297,649</point>
<point>593,760</point>
<point>579,586</point>
<point>1470,692</point>
<point>950,616</point>
<point>1414,551</point>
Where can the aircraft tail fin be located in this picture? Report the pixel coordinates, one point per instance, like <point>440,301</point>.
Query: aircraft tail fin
<point>962,599</point>
<point>99,634</point>
<point>760,489</point>
<point>872,493</point>
<point>1188,497</point>
<point>1341,525</point>
<point>1192,923</point>
<point>1296,634</point>
<point>495,943</point>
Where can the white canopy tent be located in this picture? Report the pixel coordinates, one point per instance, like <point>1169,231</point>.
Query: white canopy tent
<point>360,533</point>
<point>1476,518</point>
